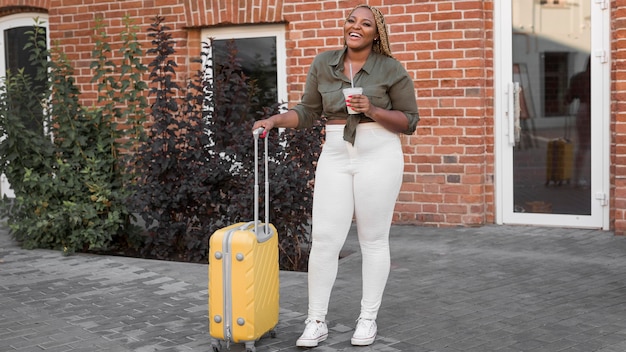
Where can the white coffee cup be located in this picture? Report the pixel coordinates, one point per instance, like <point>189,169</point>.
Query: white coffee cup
<point>347,92</point>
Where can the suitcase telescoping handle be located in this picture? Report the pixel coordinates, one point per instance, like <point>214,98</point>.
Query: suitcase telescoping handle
<point>266,233</point>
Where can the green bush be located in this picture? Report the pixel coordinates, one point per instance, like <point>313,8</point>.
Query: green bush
<point>68,179</point>
<point>173,177</point>
<point>196,167</point>
<point>184,164</point>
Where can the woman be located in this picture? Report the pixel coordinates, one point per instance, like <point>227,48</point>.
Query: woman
<point>359,172</point>
<point>580,88</point>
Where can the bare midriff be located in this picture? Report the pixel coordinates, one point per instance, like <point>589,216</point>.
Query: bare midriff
<point>336,122</point>
<point>343,122</point>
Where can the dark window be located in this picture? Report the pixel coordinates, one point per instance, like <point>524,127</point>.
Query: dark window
<point>16,58</point>
<point>555,65</point>
<point>257,57</point>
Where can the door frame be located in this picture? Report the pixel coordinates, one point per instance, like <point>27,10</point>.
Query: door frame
<point>600,132</point>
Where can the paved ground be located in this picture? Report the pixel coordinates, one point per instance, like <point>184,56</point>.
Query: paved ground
<point>493,288</point>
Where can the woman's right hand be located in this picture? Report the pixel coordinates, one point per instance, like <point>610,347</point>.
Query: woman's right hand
<point>287,119</point>
<point>266,124</point>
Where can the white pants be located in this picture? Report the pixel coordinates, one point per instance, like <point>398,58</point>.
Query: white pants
<point>362,181</point>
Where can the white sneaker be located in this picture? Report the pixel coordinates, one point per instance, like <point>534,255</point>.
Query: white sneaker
<point>364,333</point>
<point>314,333</point>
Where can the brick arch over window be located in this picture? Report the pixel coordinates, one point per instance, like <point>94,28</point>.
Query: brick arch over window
<point>213,12</point>
<point>10,7</point>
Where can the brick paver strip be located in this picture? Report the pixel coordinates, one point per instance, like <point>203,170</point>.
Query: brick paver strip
<point>493,288</point>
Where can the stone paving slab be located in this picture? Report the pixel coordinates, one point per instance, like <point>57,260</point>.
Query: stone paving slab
<point>490,288</point>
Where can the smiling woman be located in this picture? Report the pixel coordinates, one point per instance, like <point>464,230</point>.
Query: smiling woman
<point>359,172</point>
<point>381,41</point>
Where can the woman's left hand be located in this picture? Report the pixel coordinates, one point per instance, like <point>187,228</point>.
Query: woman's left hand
<point>361,103</point>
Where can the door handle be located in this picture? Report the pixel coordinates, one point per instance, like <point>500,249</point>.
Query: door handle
<point>513,112</point>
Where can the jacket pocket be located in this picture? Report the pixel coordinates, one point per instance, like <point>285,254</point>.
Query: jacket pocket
<point>332,97</point>
<point>378,96</point>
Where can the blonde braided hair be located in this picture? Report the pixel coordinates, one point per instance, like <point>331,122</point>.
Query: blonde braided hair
<point>381,45</point>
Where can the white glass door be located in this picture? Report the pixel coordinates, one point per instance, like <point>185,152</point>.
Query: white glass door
<point>552,112</point>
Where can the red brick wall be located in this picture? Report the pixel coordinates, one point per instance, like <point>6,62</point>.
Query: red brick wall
<point>445,45</point>
<point>447,179</point>
<point>618,116</point>
<point>9,7</point>
<point>72,22</point>
<point>6,5</point>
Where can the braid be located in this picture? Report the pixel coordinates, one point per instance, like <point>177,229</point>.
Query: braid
<point>381,45</point>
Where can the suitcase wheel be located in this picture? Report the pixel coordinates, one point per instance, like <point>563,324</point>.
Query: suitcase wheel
<point>273,333</point>
<point>216,346</point>
<point>250,347</point>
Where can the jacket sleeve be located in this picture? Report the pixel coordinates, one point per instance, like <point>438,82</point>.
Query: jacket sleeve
<point>403,98</point>
<point>310,107</point>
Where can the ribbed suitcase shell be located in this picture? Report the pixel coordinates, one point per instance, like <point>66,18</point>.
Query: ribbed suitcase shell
<point>243,283</point>
<point>244,274</point>
<point>559,160</point>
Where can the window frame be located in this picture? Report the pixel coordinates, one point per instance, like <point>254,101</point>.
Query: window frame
<point>255,31</point>
<point>23,19</point>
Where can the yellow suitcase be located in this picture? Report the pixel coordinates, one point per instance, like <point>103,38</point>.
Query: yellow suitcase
<point>559,161</point>
<point>244,277</point>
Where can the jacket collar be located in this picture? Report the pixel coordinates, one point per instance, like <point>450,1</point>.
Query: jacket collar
<point>337,60</point>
